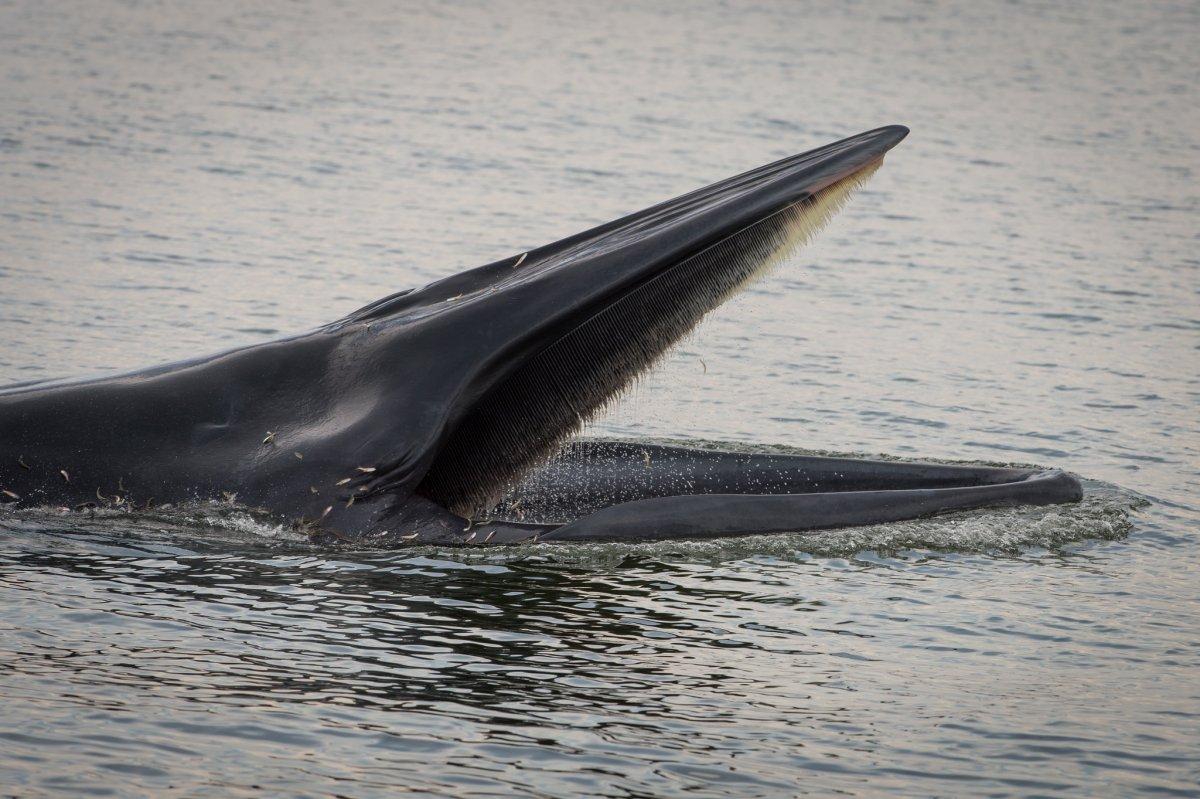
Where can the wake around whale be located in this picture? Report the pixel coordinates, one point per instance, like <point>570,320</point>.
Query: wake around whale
<point>409,420</point>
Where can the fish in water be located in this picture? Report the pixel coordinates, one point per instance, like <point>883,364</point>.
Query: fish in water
<point>407,420</point>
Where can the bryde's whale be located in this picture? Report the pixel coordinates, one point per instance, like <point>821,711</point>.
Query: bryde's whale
<point>410,419</point>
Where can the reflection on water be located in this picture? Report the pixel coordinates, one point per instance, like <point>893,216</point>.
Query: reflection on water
<point>650,674</point>
<point>1018,283</point>
<point>753,667</point>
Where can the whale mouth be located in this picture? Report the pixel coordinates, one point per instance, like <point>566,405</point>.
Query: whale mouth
<point>527,416</point>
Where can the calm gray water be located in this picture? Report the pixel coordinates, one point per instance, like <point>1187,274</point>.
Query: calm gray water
<point>1017,284</point>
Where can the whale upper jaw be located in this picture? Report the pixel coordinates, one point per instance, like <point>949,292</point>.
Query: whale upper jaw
<point>570,325</point>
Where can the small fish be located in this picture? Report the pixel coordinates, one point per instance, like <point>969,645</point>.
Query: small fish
<point>470,538</point>
<point>100,496</point>
<point>366,469</point>
<point>299,457</point>
<point>343,481</point>
<point>408,537</point>
<point>8,493</point>
<point>535,538</point>
<point>22,463</point>
<point>313,489</point>
<point>520,260</point>
<point>66,476</point>
<point>325,512</point>
<point>646,458</point>
<point>350,502</point>
<point>269,438</point>
<point>488,537</point>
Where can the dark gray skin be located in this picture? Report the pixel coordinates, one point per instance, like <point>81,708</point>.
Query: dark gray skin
<point>340,429</point>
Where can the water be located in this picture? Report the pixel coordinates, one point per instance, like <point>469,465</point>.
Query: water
<point>1017,284</point>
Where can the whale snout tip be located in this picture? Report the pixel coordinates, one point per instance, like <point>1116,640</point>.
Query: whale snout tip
<point>890,135</point>
<point>867,147</point>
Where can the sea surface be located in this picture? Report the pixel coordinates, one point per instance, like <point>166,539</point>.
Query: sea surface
<point>1018,284</point>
